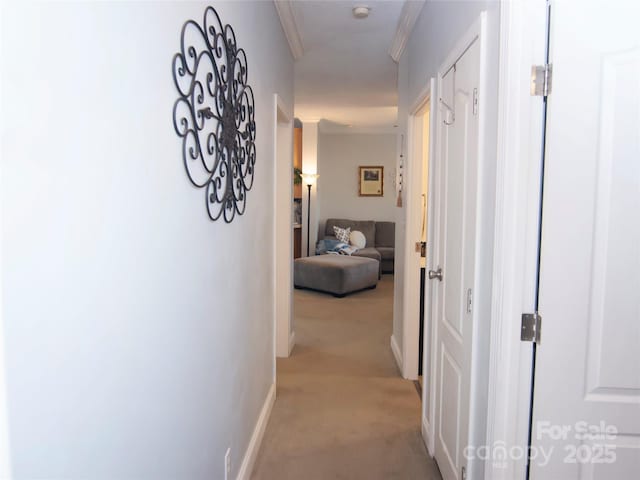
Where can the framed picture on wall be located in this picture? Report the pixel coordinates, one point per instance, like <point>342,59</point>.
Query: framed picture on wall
<point>371,181</point>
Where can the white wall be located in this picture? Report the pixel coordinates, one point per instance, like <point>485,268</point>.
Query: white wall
<point>339,156</point>
<point>139,334</point>
<point>440,25</point>
<point>402,148</point>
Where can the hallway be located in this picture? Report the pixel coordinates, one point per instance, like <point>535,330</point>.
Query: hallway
<point>342,410</point>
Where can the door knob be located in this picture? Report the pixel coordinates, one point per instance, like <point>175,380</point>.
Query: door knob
<point>435,274</point>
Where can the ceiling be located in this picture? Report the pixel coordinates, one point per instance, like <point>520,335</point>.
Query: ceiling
<point>344,74</point>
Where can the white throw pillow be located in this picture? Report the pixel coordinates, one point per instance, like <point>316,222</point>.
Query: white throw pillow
<point>342,234</point>
<point>357,239</point>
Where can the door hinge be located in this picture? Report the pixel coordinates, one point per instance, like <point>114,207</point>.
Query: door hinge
<point>469,300</point>
<point>475,101</point>
<point>531,326</point>
<point>541,80</point>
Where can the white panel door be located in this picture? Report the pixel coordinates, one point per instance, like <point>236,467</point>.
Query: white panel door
<point>455,205</point>
<point>587,374</point>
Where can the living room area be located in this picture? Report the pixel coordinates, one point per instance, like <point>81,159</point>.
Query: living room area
<point>351,202</point>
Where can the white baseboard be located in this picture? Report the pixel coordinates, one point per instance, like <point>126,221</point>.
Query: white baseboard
<point>292,341</point>
<point>256,438</point>
<point>397,353</point>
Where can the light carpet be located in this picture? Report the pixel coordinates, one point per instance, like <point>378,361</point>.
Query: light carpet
<point>342,410</point>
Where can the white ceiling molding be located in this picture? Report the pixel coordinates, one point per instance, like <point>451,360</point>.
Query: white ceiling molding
<point>410,12</point>
<point>290,27</point>
<point>308,118</point>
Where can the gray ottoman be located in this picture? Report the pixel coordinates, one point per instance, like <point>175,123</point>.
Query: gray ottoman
<point>336,274</point>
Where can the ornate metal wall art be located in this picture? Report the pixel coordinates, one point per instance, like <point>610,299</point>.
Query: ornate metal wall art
<point>215,115</point>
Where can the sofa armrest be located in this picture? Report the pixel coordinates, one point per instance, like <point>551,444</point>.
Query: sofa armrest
<point>385,234</point>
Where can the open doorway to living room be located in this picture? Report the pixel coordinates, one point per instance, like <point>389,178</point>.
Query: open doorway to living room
<point>349,209</point>
<point>343,409</point>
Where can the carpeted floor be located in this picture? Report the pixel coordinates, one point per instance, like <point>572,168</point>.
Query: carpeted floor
<point>342,409</point>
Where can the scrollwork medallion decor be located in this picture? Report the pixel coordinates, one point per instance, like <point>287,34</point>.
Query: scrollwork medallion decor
<point>215,115</point>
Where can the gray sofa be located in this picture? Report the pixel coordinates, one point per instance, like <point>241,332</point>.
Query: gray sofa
<point>380,239</point>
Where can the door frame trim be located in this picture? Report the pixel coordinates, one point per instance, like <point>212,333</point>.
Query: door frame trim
<point>5,447</point>
<point>282,346</point>
<point>5,451</point>
<point>519,143</point>
<point>428,424</point>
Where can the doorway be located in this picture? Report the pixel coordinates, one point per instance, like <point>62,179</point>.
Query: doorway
<point>424,221</point>
<point>415,329</point>
<point>585,157</point>
<point>417,305</point>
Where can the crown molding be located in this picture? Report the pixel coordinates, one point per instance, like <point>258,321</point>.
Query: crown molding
<point>290,26</point>
<point>408,16</point>
<point>308,118</point>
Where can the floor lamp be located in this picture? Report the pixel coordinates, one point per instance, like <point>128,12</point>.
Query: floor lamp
<point>309,179</point>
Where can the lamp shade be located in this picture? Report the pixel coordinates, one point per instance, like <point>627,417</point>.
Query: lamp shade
<point>309,178</point>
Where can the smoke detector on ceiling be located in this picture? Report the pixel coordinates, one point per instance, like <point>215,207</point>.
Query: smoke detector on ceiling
<point>361,11</point>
